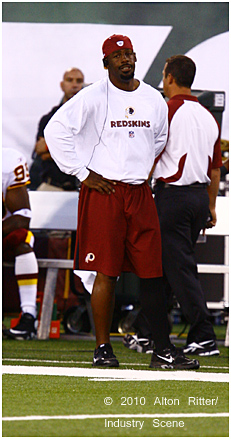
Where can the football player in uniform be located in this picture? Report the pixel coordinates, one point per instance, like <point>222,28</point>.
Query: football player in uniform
<point>18,240</point>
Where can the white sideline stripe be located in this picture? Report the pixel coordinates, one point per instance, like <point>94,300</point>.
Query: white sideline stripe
<point>130,375</point>
<point>134,379</point>
<point>155,415</point>
<point>89,362</point>
<point>51,361</point>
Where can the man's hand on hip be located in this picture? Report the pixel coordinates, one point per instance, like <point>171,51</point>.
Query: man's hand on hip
<point>98,182</point>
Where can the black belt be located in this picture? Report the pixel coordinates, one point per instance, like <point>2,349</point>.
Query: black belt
<point>193,185</point>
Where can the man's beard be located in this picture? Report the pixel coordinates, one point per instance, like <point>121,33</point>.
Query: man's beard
<point>127,77</point>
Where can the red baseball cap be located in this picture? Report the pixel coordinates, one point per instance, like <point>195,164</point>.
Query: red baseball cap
<point>116,42</point>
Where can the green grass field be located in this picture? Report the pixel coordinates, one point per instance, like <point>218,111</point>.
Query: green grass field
<point>101,407</point>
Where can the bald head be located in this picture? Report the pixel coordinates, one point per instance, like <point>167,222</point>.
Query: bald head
<point>72,70</point>
<point>72,83</point>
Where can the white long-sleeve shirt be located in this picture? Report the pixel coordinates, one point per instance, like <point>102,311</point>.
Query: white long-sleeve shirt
<point>115,133</point>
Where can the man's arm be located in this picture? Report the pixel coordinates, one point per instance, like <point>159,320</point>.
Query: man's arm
<point>161,136</point>
<point>213,191</point>
<point>41,149</point>
<point>59,133</point>
<point>161,133</point>
<point>16,199</point>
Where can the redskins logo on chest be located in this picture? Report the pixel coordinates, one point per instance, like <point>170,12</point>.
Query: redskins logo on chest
<point>129,111</point>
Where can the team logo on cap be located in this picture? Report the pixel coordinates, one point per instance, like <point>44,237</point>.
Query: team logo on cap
<point>120,43</point>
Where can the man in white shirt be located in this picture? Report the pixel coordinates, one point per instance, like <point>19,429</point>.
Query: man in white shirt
<point>109,136</point>
<point>187,180</point>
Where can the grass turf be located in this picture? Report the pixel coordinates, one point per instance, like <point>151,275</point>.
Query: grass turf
<point>31,395</point>
<point>79,353</point>
<point>24,395</point>
<point>65,396</point>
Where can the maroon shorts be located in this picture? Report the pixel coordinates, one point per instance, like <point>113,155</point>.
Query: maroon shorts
<point>118,232</point>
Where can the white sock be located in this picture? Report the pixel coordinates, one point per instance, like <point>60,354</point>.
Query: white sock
<point>26,272</point>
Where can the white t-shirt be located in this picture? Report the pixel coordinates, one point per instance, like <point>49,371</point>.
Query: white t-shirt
<point>115,133</point>
<point>193,145</point>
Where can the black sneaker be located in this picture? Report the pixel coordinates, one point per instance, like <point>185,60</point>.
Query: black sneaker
<point>204,348</point>
<point>173,358</point>
<point>25,330</point>
<point>141,345</point>
<point>103,356</point>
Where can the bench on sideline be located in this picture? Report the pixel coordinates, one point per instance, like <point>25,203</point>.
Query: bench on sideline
<point>52,211</point>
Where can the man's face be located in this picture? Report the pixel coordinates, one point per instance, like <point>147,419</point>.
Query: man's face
<point>72,83</point>
<point>121,64</point>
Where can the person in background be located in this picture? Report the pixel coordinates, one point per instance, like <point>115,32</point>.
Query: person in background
<point>17,244</point>
<point>44,173</point>
<point>225,168</point>
<point>187,176</point>
<point>108,136</point>
<point>225,161</point>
